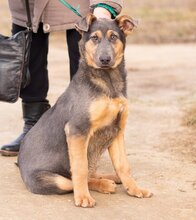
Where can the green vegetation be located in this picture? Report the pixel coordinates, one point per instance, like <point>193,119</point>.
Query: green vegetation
<point>190,118</point>
<point>162,21</point>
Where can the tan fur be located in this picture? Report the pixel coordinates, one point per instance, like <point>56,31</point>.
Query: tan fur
<point>118,51</point>
<point>90,49</point>
<point>77,147</point>
<point>99,183</point>
<point>98,34</point>
<point>104,110</point>
<point>118,48</point>
<point>63,183</point>
<point>100,83</point>
<point>102,185</point>
<point>126,24</point>
<point>112,177</point>
<point>77,153</point>
<point>89,18</point>
<point>110,32</point>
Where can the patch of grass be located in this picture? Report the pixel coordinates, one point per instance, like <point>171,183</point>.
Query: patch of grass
<point>163,21</point>
<point>164,26</point>
<point>190,118</point>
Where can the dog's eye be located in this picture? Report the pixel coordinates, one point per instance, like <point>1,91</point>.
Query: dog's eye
<point>113,37</point>
<point>94,38</point>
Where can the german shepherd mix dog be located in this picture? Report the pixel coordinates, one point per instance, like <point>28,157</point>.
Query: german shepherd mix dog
<point>60,153</point>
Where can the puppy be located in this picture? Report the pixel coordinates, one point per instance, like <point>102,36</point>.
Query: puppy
<point>60,153</point>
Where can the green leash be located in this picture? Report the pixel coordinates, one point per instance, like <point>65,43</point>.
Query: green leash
<point>75,10</point>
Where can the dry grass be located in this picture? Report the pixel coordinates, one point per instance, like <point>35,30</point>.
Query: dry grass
<point>184,142</point>
<point>190,118</point>
<point>163,21</point>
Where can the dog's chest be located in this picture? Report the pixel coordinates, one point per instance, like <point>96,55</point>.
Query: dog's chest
<point>106,117</point>
<point>100,141</point>
<point>104,110</point>
<point>103,137</point>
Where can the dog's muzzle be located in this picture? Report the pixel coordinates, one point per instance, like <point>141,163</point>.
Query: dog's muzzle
<point>105,61</point>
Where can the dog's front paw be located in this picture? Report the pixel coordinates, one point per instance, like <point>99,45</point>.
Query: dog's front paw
<point>85,201</point>
<point>139,193</point>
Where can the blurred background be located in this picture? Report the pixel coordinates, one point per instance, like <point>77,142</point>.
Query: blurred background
<point>161,129</point>
<point>162,21</point>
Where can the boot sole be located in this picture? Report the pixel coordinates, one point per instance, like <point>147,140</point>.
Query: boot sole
<point>8,153</point>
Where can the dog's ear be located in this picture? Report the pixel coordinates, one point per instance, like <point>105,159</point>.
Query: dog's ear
<point>84,23</point>
<point>126,23</point>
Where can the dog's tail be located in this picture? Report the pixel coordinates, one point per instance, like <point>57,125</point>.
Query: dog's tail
<point>44,182</point>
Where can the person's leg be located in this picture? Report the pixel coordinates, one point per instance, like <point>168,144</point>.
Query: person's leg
<point>73,37</point>
<point>37,90</point>
<point>34,102</point>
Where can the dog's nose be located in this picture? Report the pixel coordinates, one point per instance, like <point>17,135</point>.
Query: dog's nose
<point>105,59</point>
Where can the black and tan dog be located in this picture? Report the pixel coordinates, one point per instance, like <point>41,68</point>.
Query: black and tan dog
<point>61,151</point>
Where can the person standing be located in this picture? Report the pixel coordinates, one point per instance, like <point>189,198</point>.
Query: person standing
<point>48,16</point>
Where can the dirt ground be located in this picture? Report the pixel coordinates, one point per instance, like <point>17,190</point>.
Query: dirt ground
<point>161,150</point>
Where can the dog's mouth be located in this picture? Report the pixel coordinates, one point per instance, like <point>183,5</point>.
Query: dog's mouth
<point>104,61</point>
<point>105,66</point>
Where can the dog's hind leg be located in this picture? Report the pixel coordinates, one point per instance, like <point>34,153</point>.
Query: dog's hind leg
<point>44,182</point>
<point>113,177</point>
<point>102,185</point>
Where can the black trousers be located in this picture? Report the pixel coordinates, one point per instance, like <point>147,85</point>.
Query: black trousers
<point>37,90</point>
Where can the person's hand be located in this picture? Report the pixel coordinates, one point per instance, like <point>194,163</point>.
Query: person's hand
<point>100,12</point>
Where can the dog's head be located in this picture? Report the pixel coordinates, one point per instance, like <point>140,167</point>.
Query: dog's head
<point>103,40</point>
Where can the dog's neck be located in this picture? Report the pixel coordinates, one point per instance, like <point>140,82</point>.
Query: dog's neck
<point>112,82</point>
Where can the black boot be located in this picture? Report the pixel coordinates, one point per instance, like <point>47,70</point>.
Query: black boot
<point>31,114</point>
